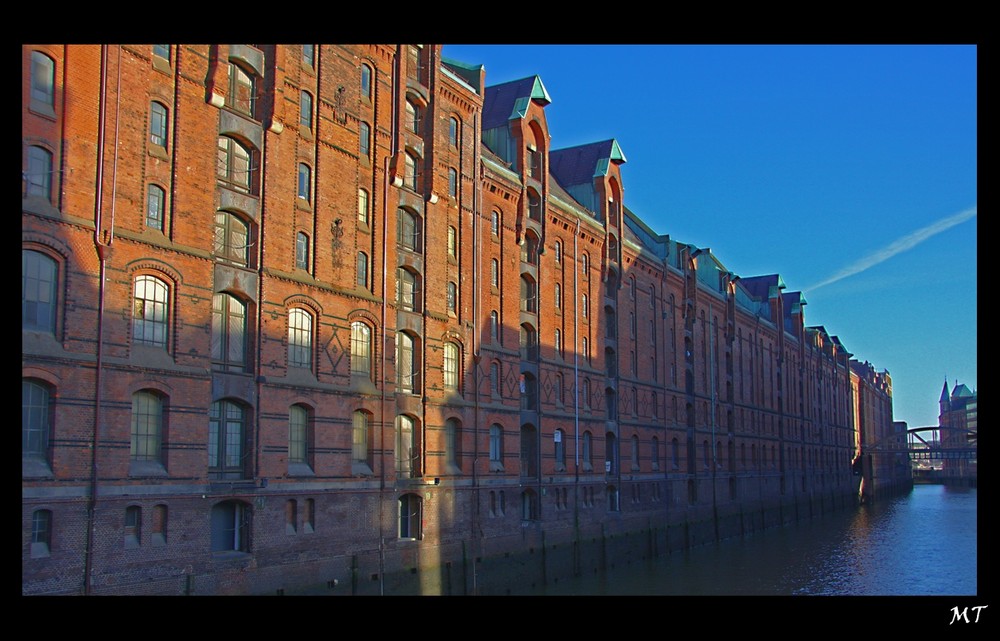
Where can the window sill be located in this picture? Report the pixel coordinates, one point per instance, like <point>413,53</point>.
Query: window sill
<point>161,64</point>
<point>158,151</point>
<point>146,468</point>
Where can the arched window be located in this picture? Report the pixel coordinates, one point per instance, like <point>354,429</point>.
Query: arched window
<point>453,446</point>
<point>451,360</point>
<point>453,132</point>
<point>299,438</point>
<point>301,251</point>
<point>242,91</point>
<point>413,117</point>
<point>452,242</point>
<point>495,379</point>
<point>635,453</point>
<point>361,349</point>
<point>38,176</point>
<point>588,451</point>
<point>362,270</point>
<point>155,207</point>
<point>407,447</point>
<point>306,110</point>
<point>363,212</point>
<point>305,182</point>
<point>452,182</point>
<point>361,443</point>
<point>158,124</point>
<point>452,298</point>
<point>232,238</point>
<point>43,75</point>
<point>559,444</point>
<point>494,326</point>
<point>408,230</point>
<point>407,364</point>
<point>300,338</point>
<point>557,295</point>
<point>35,420</point>
<point>229,333</point>
<point>585,265</point>
<point>227,447</point>
<point>654,452</point>
<point>39,292</point>
<point>495,222</point>
<point>366,82</point>
<point>494,272</point>
<point>147,427</point>
<point>411,176</point>
<point>233,166</point>
<point>496,447</point>
<point>364,139</point>
<point>558,252</point>
<point>558,343</point>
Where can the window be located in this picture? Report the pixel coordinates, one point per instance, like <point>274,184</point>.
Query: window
<point>558,296</point>
<point>133,526</point>
<point>154,208</point>
<point>39,175</point>
<point>411,177</point>
<point>453,132</point>
<point>39,276</point>
<point>635,453</point>
<point>558,343</point>
<point>291,516</point>
<point>299,436</point>
<point>150,312</point>
<point>529,451</point>
<point>306,110</point>
<point>35,417</point>
<point>361,348</point>
<point>407,365</point>
<point>309,518</point>
<point>413,117</point>
<point>654,453</point>
<point>309,55</point>
<point>494,326</point>
<point>496,447</point>
<point>452,298</point>
<point>363,212</point>
<point>299,339</point>
<point>585,307</point>
<point>301,251</point>
<point>408,230</point>
<point>451,366</point>
<point>41,533</point>
<point>162,51</point>
<point>408,290</point>
<point>560,450</point>
<point>305,182</point>
<point>585,265</point>
<point>364,139</point>
<point>360,439</point>
<point>410,516</point>
<point>362,275</point>
<point>158,125</point>
<point>495,222</point>
<point>631,287</point>
<point>587,451</point>
<point>232,238</point>
<point>495,272</point>
<point>229,339</point>
<point>452,242</point>
<point>585,348</point>
<point>231,527</point>
<point>226,440</point>
<point>558,252</point>
<point>675,454</point>
<point>559,390</point>
<point>233,164</point>
<point>242,92</point>
<point>529,294</point>
<point>452,182</point>
<point>453,446</point>
<point>366,81</point>
<point>43,76</point>
<point>147,427</point>
<point>407,450</point>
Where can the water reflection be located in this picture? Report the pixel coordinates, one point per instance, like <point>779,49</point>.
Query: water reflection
<point>923,543</point>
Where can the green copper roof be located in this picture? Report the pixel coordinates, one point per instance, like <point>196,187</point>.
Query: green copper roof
<point>538,91</point>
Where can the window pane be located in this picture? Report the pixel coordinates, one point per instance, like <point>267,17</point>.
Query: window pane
<point>147,422</point>
<point>34,420</point>
<point>149,314</point>
<point>38,292</point>
<point>43,71</point>
<point>39,174</point>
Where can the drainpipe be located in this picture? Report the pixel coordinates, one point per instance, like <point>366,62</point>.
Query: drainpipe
<point>476,258</point>
<point>102,243</point>
<point>258,313</point>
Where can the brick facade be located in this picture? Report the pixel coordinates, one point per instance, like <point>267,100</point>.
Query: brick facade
<point>242,377</point>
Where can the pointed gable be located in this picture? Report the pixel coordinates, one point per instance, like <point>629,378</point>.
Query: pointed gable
<point>575,168</point>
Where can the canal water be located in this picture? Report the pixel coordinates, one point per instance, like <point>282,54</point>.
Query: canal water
<point>923,543</point>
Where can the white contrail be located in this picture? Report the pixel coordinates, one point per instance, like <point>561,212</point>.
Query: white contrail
<point>898,246</point>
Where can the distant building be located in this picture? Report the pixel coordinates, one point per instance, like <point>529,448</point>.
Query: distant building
<point>958,428</point>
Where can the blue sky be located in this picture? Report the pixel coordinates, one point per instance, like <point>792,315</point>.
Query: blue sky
<point>851,170</point>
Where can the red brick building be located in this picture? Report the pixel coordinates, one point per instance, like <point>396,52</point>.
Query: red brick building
<point>344,318</point>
